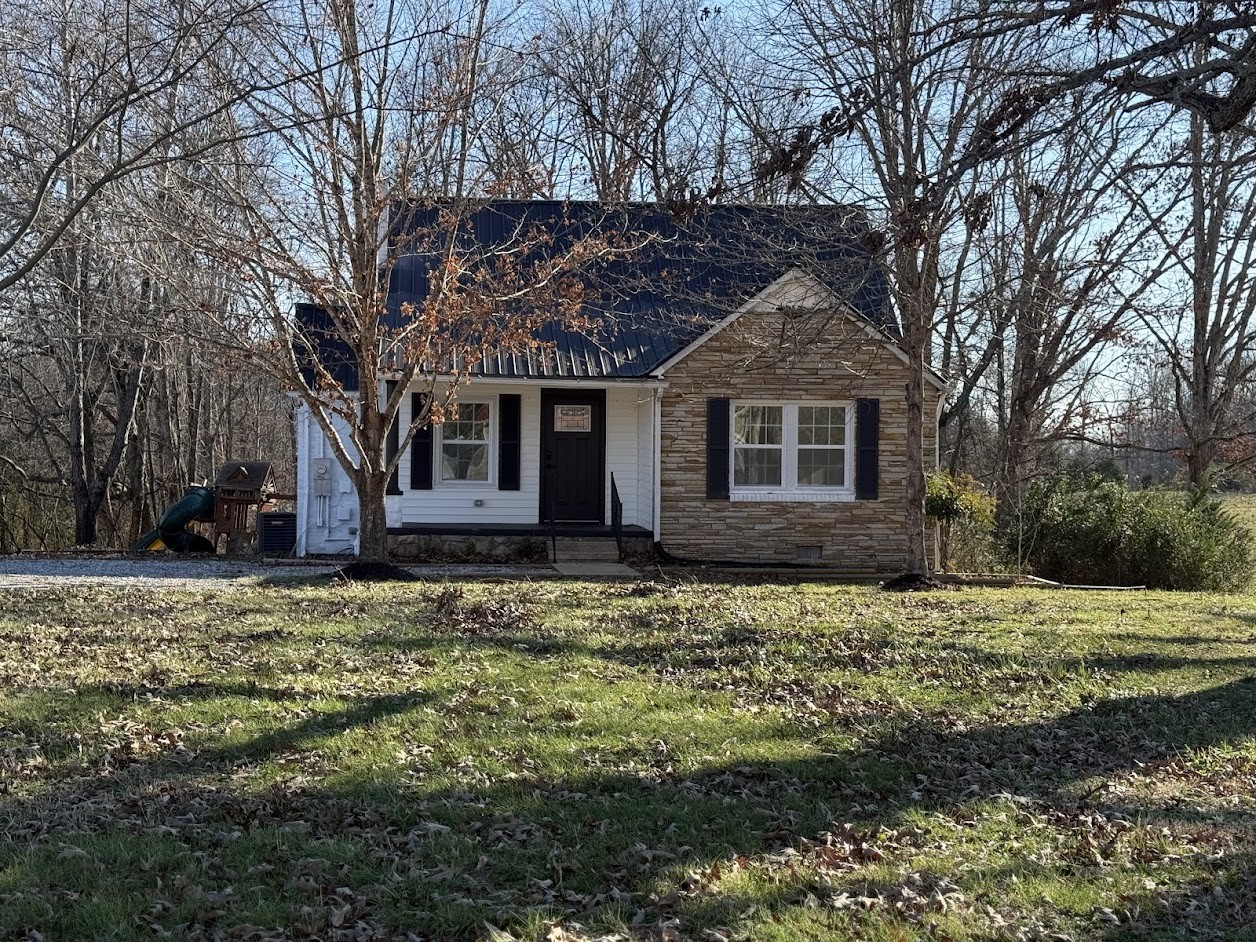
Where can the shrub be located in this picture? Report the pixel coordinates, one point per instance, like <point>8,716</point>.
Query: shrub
<point>964,513</point>
<point>1088,530</point>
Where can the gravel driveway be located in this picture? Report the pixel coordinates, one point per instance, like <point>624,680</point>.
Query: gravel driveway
<point>165,572</point>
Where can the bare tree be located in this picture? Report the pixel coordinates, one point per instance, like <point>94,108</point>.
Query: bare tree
<point>387,130</point>
<point>83,90</point>
<point>1203,326</point>
<point>907,116</point>
<point>639,116</point>
<point>1147,40</point>
<point>1065,266</point>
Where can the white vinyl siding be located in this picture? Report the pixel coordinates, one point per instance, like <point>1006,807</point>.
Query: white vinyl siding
<point>454,502</point>
<point>326,522</point>
<point>624,408</point>
<point>630,444</point>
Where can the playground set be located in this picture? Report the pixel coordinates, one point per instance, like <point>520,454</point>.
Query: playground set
<point>240,505</point>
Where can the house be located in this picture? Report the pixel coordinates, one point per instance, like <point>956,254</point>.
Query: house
<point>740,397</point>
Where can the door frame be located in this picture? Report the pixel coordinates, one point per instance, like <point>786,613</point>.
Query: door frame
<point>549,399</point>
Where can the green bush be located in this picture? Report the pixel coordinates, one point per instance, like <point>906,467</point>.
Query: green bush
<point>1091,531</point>
<point>964,513</point>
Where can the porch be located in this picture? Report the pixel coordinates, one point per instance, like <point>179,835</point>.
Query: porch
<point>513,457</point>
<point>516,456</point>
<point>518,542</point>
<point>522,530</point>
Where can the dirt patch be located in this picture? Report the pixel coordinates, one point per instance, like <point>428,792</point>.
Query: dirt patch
<point>373,572</point>
<point>912,582</point>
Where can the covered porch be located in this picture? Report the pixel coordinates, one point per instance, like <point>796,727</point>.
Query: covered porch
<point>514,460</point>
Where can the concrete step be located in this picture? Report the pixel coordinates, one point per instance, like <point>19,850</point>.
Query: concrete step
<point>576,549</point>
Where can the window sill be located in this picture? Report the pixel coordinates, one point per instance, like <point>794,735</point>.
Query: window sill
<point>793,497</point>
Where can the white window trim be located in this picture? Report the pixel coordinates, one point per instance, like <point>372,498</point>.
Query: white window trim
<point>789,491</point>
<point>438,477</point>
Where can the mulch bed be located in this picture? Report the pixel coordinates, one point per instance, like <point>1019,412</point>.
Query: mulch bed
<point>372,572</point>
<point>912,582</point>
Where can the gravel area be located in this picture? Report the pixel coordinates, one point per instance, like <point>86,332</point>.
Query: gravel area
<point>167,572</point>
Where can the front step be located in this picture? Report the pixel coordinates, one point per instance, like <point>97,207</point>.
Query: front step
<point>582,549</point>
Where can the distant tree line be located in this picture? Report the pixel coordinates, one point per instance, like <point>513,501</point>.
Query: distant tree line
<point>1063,193</point>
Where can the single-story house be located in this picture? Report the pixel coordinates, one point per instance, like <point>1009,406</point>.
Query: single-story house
<point>740,399</point>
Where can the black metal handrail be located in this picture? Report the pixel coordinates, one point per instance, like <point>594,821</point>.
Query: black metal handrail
<point>549,512</point>
<point>617,518</point>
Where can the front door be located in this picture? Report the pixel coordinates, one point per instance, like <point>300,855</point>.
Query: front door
<point>573,455</point>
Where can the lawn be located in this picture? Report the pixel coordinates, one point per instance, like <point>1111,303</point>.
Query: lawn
<point>1243,507</point>
<point>568,760</point>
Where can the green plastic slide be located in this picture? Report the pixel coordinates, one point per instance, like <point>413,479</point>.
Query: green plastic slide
<point>170,533</point>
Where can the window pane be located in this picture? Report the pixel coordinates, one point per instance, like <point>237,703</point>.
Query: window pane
<point>464,462</point>
<point>821,467</point>
<point>821,425</point>
<point>757,425</point>
<point>467,423</point>
<point>757,467</point>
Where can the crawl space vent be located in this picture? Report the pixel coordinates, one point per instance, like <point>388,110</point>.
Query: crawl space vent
<point>807,554</point>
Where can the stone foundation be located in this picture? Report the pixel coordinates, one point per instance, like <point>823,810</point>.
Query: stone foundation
<point>505,549</point>
<point>444,548</point>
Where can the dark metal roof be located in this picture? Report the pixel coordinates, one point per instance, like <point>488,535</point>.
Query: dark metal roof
<point>683,274</point>
<point>245,475</point>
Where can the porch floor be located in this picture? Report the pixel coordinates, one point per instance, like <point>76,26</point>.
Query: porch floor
<point>582,530</point>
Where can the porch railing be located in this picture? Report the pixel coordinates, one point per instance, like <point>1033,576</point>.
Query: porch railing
<point>617,518</point>
<point>549,512</point>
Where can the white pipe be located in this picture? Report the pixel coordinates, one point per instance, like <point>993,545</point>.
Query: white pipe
<point>657,445</point>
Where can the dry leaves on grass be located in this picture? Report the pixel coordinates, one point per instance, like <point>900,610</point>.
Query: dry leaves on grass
<point>494,615</point>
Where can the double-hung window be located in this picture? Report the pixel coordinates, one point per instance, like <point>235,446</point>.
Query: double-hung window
<point>758,446</point>
<point>466,443</point>
<point>792,449</point>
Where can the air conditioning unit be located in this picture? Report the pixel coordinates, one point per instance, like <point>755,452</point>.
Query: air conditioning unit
<point>277,533</point>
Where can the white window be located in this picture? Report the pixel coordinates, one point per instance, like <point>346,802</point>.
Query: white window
<point>758,446</point>
<point>792,450</point>
<point>466,443</point>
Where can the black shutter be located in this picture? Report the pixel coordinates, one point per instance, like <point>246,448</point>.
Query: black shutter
<point>420,447</point>
<point>717,449</point>
<point>392,442</point>
<point>867,445</point>
<point>510,409</point>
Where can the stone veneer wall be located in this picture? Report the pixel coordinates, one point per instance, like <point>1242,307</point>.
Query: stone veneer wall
<point>502,548</point>
<point>772,356</point>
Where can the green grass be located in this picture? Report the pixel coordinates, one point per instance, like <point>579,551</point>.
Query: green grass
<point>1243,507</point>
<point>575,760</point>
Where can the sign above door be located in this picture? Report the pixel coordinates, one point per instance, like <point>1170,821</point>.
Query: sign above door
<point>573,418</point>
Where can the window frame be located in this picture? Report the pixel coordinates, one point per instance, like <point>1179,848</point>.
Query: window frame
<point>491,441</point>
<point>734,445</point>
<point>789,488</point>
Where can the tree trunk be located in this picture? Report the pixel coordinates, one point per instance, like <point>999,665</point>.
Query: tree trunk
<point>82,450</point>
<point>373,525</point>
<point>86,510</point>
<point>916,562</point>
<point>1203,392</point>
<point>1199,461</point>
<point>1012,461</point>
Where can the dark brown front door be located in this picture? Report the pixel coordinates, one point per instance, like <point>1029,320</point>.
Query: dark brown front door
<point>573,455</point>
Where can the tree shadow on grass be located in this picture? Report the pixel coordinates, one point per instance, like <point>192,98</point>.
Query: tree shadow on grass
<point>607,844</point>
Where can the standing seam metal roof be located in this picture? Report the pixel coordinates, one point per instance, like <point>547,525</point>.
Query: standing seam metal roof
<point>687,274</point>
